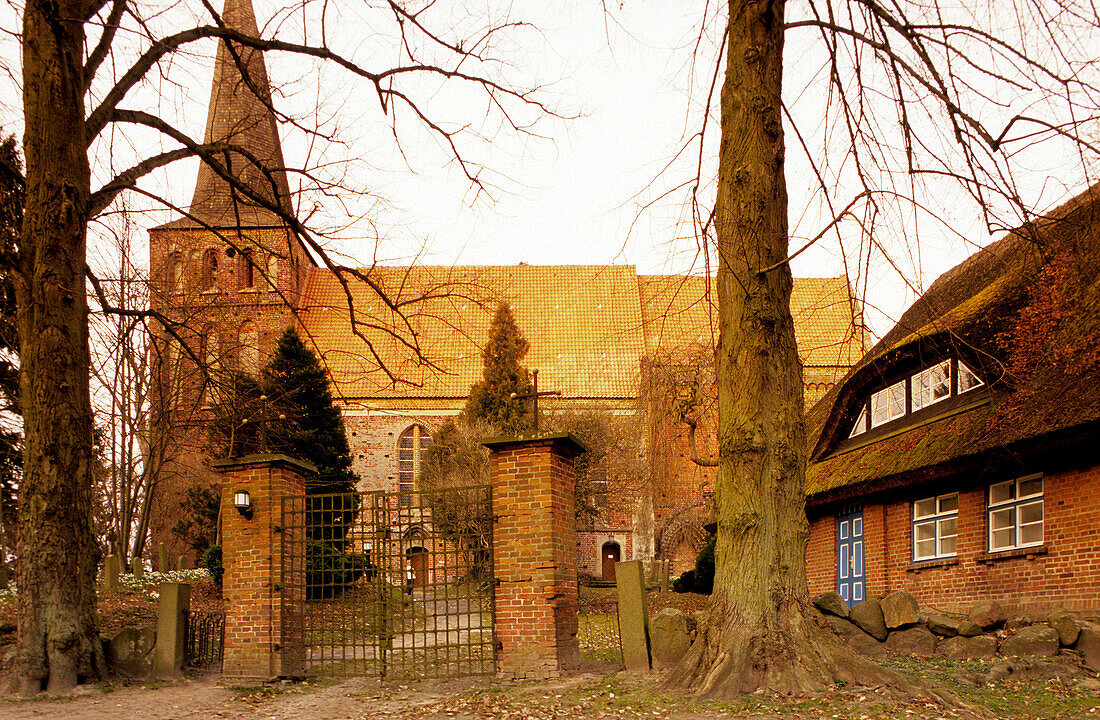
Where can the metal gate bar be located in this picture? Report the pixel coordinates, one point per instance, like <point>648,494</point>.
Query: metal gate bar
<point>396,585</point>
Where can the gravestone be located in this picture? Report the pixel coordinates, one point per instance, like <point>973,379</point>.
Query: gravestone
<point>630,583</point>
<point>162,558</point>
<point>139,569</point>
<point>110,572</point>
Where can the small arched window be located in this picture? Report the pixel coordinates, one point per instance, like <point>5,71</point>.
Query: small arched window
<point>411,447</point>
<point>272,271</point>
<point>209,278</point>
<point>248,270</point>
<point>175,272</point>
<point>250,349</point>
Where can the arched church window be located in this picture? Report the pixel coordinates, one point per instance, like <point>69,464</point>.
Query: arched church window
<point>209,276</point>
<point>272,271</point>
<point>248,270</point>
<point>211,359</point>
<point>250,349</point>
<point>411,447</point>
<point>175,272</point>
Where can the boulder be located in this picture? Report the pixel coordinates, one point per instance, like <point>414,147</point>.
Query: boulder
<point>130,651</point>
<point>858,640</point>
<point>1035,640</point>
<point>968,628</point>
<point>899,609</point>
<point>968,648</point>
<point>942,625</point>
<point>669,640</point>
<point>1088,644</point>
<point>1068,627</point>
<point>868,617</point>
<point>987,614</point>
<point>916,640</point>
<point>1016,623</point>
<point>831,603</point>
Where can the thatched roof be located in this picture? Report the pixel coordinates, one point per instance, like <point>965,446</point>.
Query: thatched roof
<point>1025,314</point>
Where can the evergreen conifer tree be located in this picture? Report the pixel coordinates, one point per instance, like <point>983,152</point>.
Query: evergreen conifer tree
<point>313,430</point>
<point>490,398</point>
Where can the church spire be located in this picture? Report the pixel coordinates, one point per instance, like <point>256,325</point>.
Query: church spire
<point>241,113</point>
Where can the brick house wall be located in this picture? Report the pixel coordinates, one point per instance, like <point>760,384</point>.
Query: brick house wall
<point>1063,572</point>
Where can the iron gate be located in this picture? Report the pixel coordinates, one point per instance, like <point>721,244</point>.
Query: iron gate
<point>396,585</point>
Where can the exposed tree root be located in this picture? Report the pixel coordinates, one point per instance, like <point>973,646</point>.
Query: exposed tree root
<point>800,657</point>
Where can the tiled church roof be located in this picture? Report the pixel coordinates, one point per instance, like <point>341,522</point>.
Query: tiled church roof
<point>589,326</point>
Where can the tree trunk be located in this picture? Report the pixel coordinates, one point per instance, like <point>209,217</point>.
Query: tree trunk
<point>762,631</point>
<point>58,645</point>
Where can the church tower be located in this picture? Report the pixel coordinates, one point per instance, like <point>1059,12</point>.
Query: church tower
<point>229,273</point>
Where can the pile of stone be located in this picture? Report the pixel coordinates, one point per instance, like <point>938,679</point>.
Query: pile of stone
<point>895,623</point>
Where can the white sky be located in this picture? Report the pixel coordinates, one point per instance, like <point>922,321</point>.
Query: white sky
<point>573,196</point>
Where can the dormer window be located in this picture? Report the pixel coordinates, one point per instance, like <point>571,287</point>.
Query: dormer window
<point>931,385</point>
<point>967,379</point>
<point>888,404</point>
<point>918,391</point>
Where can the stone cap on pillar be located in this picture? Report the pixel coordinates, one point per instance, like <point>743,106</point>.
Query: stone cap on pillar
<point>303,466</point>
<point>564,442</point>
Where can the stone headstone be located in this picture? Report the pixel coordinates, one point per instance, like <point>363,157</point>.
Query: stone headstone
<point>130,651</point>
<point>1068,627</point>
<point>987,614</point>
<point>175,603</point>
<point>968,648</point>
<point>664,569</point>
<point>899,609</point>
<point>669,637</point>
<point>162,558</point>
<point>916,640</point>
<point>1088,644</point>
<point>630,583</point>
<point>942,625</point>
<point>139,569</point>
<point>181,563</point>
<point>968,628</point>
<point>1035,640</point>
<point>831,603</point>
<point>868,617</point>
<point>111,568</point>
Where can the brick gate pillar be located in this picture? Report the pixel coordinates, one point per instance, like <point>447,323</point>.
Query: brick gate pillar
<point>535,554</point>
<point>262,620</point>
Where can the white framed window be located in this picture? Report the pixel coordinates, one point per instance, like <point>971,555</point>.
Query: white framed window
<point>888,404</point>
<point>931,385</point>
<point>967,379</point>
<point>861,423</point>
<point>935,527</point>
<point>1016,513</point>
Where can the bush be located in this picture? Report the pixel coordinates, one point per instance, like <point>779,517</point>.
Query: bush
<point>701,579</point>
<point>212,561</point>
<point>330,570</point>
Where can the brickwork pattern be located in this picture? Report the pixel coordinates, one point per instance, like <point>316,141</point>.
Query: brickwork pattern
<point>258,644</point>
<point>1064,572</point>
<point>534,547</point>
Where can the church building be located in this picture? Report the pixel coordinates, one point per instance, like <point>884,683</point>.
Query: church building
<point>402,344</point>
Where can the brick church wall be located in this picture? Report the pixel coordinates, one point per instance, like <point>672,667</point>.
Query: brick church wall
<point>1063,572</point>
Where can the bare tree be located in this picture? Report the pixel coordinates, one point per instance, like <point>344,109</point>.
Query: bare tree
<point>84,66</point>
<point>913,90</point>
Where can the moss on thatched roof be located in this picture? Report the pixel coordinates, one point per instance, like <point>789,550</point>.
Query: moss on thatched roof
<point>1025,311</point>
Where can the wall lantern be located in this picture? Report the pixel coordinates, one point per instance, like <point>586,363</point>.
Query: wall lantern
<point>243,502</point>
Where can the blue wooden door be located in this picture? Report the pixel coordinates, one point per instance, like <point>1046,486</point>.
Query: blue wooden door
<point>850,581</point>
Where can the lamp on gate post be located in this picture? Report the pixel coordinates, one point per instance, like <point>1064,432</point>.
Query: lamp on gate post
<point>534,395</point>
<point>243,502</point>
